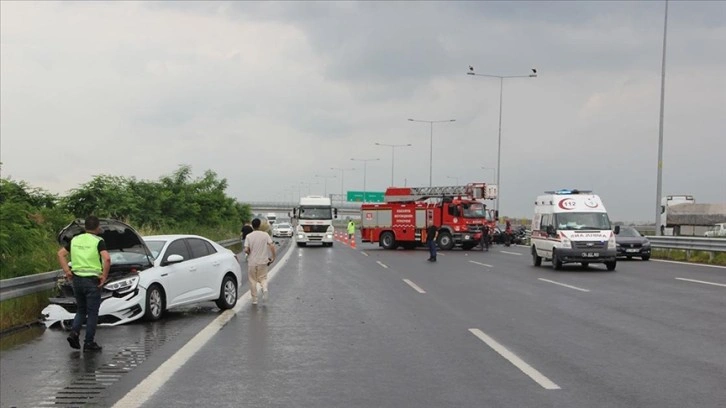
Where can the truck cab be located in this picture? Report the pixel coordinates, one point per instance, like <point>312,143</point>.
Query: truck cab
<point>314,221</point>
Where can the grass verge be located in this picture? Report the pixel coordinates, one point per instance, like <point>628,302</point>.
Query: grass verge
<point>694,256</point>
<point>23,310</point>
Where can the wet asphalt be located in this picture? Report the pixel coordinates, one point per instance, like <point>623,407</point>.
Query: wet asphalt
<point>343,327</point>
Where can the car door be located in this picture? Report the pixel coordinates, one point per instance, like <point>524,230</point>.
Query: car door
<point>206,276</point>
<point>175,277</point>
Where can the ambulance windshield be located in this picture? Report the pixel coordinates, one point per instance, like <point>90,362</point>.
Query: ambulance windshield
<point>474,210</point>
<point>582,221</point>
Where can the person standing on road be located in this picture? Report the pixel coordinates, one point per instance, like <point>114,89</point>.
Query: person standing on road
<point>260,252</point>
<point>431,242</point>
<point>351,229</point>
<point>91,263</point>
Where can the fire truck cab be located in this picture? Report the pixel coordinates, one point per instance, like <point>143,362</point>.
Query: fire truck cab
<point>459,213</point>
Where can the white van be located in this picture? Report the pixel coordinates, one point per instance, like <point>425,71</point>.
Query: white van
<point>572,226</point>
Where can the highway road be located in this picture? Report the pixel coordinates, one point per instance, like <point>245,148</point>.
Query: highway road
<point>367,327</point>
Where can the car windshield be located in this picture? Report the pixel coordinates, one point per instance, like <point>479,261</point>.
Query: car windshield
<point>582,221</point>
<point>474,210</point>
<point>316,213</point>
<point>155,247</point>
<point>284,226</point>
<point>628,232</point>
<point>133,255</point>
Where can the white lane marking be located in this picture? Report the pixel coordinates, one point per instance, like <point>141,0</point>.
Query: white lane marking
<point>482,264</point>
<point>562,284</point>
<point>414,286</point>
<point>382,264</point>
<point>688,263</point>
<point>538,377</point>
<point>511,253</point>
<point>154,381</point>
<point>440,254</point>
<point>364,253</point>
<point>704,282</point>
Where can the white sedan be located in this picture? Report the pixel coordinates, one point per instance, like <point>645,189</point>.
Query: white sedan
<point>153,274</point>
<point>282,229</point>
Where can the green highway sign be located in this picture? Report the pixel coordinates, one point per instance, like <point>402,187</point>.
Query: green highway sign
<point>370,196</point>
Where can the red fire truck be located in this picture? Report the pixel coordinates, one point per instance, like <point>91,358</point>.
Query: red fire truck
<point>459,212</point>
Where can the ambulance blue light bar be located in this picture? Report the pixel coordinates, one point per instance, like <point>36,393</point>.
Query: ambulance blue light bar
<point>565,191</point>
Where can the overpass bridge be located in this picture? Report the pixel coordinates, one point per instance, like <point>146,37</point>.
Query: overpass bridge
<point>284,207</point>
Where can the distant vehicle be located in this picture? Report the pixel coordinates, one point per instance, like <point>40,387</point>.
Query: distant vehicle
<point>719,230</point>
<point>271,218</point>
<point>150,275</point>
<point>282,229</point>
<point>669,201</point>
<point>314,218</point>
<point>631,243</point>
<point>572,226</point>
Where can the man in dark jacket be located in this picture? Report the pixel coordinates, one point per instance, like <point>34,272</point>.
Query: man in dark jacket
<point>431,242</point>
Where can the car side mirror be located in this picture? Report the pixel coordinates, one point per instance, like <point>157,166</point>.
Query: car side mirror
<point>617,229</point>
<point>335,212</point>
<point>173,259</point>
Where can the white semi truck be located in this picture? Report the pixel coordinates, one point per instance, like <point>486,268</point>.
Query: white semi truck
<point>314,221</point>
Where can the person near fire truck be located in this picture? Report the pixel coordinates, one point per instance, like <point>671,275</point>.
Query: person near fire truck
<point>485,237</point>
<point>508,233</point>
<point>431,232</point>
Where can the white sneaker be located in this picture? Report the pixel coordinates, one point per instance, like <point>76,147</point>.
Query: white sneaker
<point>265,295</point>
<point>254,301</point>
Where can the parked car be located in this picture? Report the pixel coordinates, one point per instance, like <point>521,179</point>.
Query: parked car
<point>718,230</point>
<point>630,243</point>
<point>282,229</point>
<point>150,275</point>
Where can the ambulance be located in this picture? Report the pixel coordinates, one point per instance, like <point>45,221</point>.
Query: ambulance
<point>572,226</point>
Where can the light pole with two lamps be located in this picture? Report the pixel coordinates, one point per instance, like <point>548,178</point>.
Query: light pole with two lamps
<point>365,163</point>
<point>431,149</point>
<point>393,148</point>
<point>501,91</point>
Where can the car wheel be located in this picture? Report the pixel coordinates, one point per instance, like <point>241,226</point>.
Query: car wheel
<point>536,259</point>
<point>154,303</point>
<point>645,257</point>
<point>444,241</point>
<point>228,293</point>
<point>556,262</point>
<point>388,240</point>
<point>66,325</point>
<point>611,265</point>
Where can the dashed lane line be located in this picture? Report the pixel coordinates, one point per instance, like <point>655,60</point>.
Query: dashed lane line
<point>154,381</point>
<point>382,264</point>
<point>364,253</point>
<point>538,377</point>
<point>704,282</point>
<point>511,253</point>
<point>414,286</point>
<point>562,284</point>
<point>482,264</point>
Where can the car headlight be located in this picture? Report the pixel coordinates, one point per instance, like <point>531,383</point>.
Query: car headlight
<point>566,243</point>
<point>123,285</point>
<point>611,242</point>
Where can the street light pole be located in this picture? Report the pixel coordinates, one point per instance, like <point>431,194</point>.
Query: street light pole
<point>342,179</point>
<point>326,183</point>
<point>365,163</point>
<point>431,142</point>
<point>659,182</point>
<point>393,158</point>
<point>499,138</point>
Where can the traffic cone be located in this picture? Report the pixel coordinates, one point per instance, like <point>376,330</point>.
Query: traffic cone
<point>352,242</point>
<point>345,238</point>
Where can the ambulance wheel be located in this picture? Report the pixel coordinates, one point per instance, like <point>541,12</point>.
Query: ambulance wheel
<point>388,240</point>
<point>444,241</point>
<point>556,262</point>
<point>536,260</point>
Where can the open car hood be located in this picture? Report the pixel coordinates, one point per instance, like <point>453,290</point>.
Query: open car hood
<point>117,235</point>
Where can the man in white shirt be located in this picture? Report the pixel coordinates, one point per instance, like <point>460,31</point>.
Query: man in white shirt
<point>260,254</point>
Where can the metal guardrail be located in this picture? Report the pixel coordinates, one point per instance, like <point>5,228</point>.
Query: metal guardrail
<point>688,243</point>
<point>27,285</point>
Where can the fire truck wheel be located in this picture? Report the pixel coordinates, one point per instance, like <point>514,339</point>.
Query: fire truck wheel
<point>444,241</point>
<point>388,241</point>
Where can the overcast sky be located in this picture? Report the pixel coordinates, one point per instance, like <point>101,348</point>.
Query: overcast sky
<point>268,95</point>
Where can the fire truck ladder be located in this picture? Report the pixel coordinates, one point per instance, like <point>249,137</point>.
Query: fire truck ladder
<point>420,193</point>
